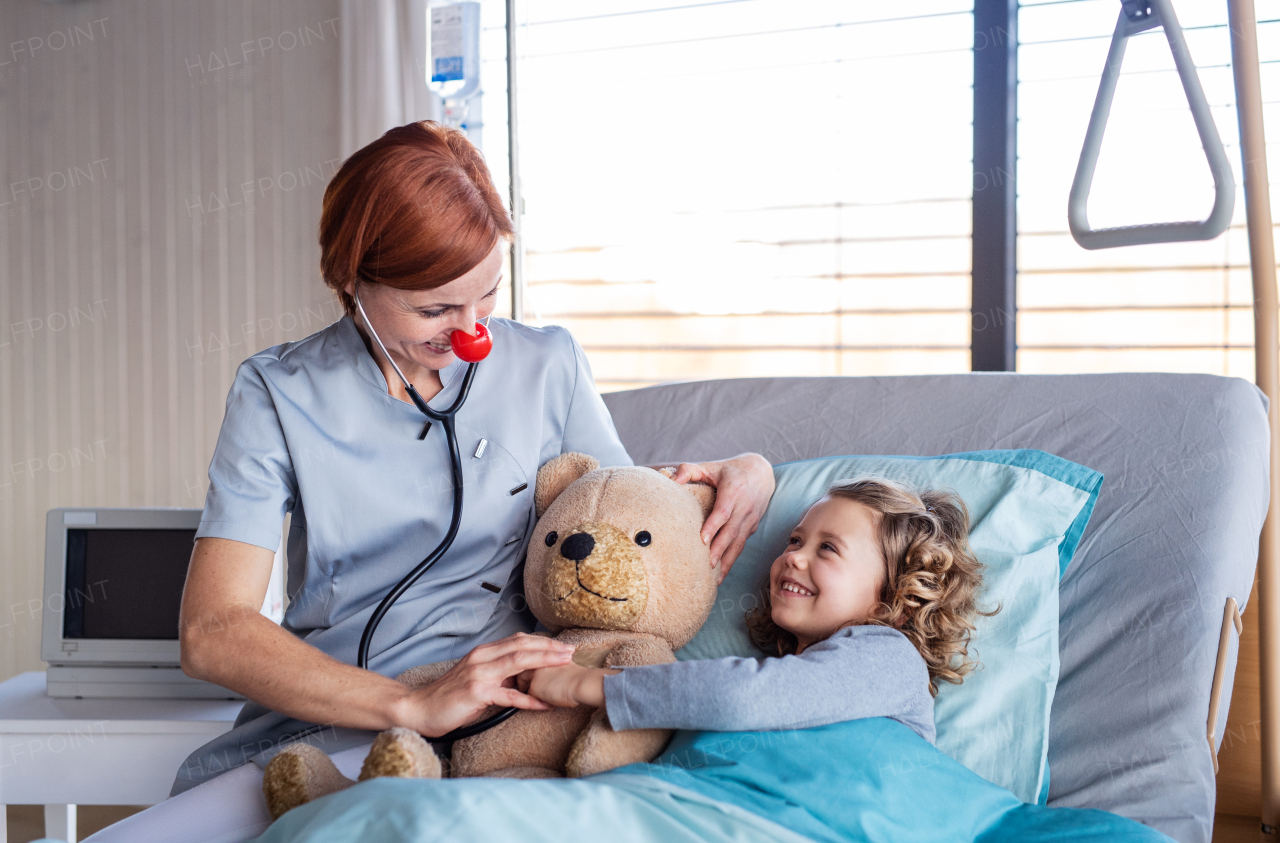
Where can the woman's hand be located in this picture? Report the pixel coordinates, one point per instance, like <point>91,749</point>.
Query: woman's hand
<point>567,685</point>
<point>743,485</point>
<point>486,676</point>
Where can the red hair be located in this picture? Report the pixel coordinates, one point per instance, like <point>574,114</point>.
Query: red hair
<point>413,210</point>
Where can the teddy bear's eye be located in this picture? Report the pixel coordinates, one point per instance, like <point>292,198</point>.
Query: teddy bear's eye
<point>643,538</point>
<point>551,538</point>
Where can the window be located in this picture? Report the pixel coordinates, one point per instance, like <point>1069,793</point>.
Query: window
<point>748,187</point>
<point>754,188</point>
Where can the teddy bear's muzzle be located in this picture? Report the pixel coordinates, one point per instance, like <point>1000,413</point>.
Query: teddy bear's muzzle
<point>596,578</point>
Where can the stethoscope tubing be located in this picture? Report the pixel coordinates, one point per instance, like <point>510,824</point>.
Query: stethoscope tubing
<point>446,419</point>
<point>455,463</point>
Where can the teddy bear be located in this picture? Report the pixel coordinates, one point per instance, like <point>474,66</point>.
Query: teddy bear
<point>615,566</point>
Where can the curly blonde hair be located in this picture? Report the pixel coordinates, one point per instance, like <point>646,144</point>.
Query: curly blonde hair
<point>931,576</point>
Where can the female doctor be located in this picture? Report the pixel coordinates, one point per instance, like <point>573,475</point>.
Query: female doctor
<point>323,428</point>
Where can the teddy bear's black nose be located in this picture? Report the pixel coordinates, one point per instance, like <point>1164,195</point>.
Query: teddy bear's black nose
<point>577,547</point>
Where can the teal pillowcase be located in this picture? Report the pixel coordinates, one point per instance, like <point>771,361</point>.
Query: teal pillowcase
<point>1028,510</point>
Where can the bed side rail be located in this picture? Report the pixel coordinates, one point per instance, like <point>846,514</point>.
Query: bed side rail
<point>1230,617</point>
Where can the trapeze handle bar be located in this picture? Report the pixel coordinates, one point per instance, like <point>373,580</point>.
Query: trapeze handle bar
<point>1137,16</point>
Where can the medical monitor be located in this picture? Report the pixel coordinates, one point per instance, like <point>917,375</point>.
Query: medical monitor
<point>113,588</point>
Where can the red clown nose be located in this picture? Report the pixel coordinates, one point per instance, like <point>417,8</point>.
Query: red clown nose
<point>472,349</point>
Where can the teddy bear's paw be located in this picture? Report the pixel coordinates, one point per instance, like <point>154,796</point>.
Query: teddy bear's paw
<point>297,775</point>
<point>401,753</point>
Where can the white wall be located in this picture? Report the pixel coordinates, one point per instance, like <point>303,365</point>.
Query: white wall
<point>161,170</point>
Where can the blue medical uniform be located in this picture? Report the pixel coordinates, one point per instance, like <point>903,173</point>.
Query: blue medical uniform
<point>310,429</point>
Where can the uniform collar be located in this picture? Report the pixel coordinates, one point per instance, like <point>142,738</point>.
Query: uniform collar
<point>354,348</point>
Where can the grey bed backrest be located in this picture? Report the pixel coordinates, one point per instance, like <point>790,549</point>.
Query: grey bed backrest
<point>1175,533</point>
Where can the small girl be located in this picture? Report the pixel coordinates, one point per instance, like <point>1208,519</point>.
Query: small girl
<point>867,608</point>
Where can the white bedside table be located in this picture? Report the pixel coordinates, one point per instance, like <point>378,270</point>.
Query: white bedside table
<point>61,753</point>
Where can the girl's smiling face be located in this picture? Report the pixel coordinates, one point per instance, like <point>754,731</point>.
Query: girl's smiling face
<point>831,573</point>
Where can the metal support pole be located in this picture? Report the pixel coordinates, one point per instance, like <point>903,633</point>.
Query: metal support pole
<point>993,338</point>
<point>513,158</point>
<point>1266,342</point>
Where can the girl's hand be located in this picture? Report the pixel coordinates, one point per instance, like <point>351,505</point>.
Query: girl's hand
<point>744,485</point>
<point>486,676</point>
<point>568,685</point>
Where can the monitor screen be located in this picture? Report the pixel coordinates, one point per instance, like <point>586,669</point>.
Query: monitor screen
<point>125,584</point>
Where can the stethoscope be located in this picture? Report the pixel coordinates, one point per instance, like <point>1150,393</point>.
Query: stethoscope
<point>445,417</point>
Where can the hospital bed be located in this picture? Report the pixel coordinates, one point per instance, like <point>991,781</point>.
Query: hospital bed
<point>1174,534</point>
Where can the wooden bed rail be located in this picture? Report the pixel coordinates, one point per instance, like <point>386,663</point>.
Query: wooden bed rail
<point>1230,618</point>
<point>1262,260</point>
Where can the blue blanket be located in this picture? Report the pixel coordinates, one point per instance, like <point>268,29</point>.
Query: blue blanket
<point>870,780</point>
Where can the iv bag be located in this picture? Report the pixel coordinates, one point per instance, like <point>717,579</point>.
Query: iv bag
<point>453,61</point>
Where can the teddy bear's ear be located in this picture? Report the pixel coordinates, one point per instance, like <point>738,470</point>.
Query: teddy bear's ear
<point>556,475</point>
<point>702,493</point>
<point>705,496</point>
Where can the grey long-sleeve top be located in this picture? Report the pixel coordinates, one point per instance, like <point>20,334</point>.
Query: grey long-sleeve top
<point>861,671</point>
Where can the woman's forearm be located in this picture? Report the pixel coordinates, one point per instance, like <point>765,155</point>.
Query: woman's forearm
<point>248,653</point>
<point>225,640</point>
